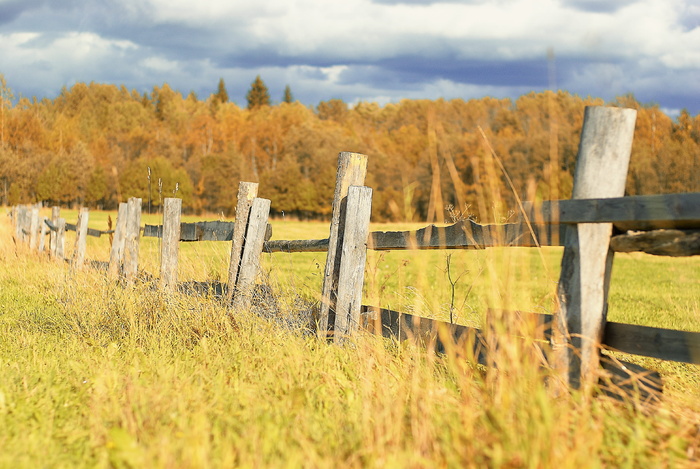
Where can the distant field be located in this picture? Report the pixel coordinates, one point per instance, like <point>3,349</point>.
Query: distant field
<point>96,375</point>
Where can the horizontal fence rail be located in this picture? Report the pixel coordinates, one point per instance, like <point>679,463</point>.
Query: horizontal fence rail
<point>630,213</point>
<point>653,342</point>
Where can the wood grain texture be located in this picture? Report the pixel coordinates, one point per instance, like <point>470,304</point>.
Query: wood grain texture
<point>247,192</point>
<point>172,209</point>
<point>673,243</point>
<point>33,228</point>
<point>353,231</point>
<point>352,170</point>
<point>636,213</point>
<point>78,259</point>
<point>55,214</point>
<point>250,259</point>
<point>131,239</point>
<point>116,253</point>
<point>60,239</point>
<point>601,172</point>
<point>43,231</point>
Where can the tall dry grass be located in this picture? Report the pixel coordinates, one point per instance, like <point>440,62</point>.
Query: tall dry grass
<point>96,374</point>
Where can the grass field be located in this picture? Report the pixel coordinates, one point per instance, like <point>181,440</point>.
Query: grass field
<point>94,374</point>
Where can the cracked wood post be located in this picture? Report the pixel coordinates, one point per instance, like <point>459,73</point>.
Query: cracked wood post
<point>354,231</point>
<point>247,191</point>
<point>352,169</point>
<point>172,209</point>
<point>81,227</point>
<point>131,239</point>
<point>116,253</point>
<point>252,250</point>
<point>601,172</point>
<point>55,214</point>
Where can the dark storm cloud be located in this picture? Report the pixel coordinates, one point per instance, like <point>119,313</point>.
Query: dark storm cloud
<point>10,10</point>
<point>478,72</point>
<point>360,50</point>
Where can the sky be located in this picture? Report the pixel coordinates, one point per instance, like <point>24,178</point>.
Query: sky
<point>359,50</point>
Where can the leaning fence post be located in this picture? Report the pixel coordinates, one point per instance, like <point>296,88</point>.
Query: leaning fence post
<point>354,230</point>
<point>80,239</point>
<point>131,239</point>
<point>170,242</point>
<point>250,259</point>
<point>352,169</point>
<point>116,253</point>
<point>247,191</point>
<point>601,172</point>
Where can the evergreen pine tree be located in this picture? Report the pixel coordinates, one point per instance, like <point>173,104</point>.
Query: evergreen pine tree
<point>221,95</point>
<point>258,94</point>
<point>287,98</point>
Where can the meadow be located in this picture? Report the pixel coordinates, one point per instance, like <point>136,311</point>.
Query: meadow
<point>96,374</point>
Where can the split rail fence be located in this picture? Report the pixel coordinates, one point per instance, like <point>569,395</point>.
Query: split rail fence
<point>594,224</point>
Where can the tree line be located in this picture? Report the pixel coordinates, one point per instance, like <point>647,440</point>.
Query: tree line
<point>98,144</point>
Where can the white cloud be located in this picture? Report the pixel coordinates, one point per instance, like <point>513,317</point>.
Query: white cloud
<point>361,49</point>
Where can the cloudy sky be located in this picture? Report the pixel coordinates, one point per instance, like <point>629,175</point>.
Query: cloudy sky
<point>359,50</point>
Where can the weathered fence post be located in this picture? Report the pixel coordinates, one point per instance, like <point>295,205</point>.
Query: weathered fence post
<point>252,250</point>
<point>116,254</point>
<point>131,239</point>
<point>353,234</point>
<point>601,172</point>
<point>21,225</point>
<point>80,239</point>
<point>352,169</point>
<point>170,243</point>
<point>61,238</point>
<point>44,230</point>
<point>33,228</point>
<point>247,191</point>
<point>55,213</point>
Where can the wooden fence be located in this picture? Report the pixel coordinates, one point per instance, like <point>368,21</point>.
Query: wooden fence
<point>598,221</point>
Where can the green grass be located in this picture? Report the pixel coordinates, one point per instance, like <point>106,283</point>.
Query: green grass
<point>94,374</point>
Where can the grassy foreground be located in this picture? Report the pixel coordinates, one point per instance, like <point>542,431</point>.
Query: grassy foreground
<point>93,374</point>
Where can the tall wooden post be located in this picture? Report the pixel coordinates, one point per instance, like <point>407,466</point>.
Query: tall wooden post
<point>55,214</point>
<point>172,209</point>
<point>116,254</point>
<point>250,259</point>
<point>247,191</point>
<point>601,172</point>
<point>131,239</point>
<point>44,230</point>
<point>33,228</point>
<point>352,169</point>
<point>354,230</point>
<point>81,227</point>
<point>61,239</point>
<point>21,225</point>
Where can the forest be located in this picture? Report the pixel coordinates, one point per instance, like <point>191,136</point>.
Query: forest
<point>98,144</point>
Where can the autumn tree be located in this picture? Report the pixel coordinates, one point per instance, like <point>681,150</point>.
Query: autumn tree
<point>258,95</point>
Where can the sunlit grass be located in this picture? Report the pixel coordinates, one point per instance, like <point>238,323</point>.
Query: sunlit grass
<point>95,374</point>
